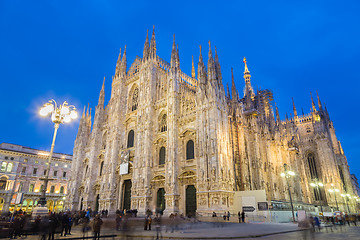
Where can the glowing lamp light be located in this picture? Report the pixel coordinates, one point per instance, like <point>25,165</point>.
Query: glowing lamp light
<point>343,195</point>
<point>348,195</point>
<point>282,174</point>
<point>291,173</point>
<point>64,110</point>
<point>320,184</point>
<point>43,112</point>
<point>337,190</point>
<point>330,190</point>
<point>313,184</point>
<point>73,114</point>
<point>67,119</point>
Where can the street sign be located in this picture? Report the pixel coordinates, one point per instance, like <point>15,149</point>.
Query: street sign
<point>248,209</point>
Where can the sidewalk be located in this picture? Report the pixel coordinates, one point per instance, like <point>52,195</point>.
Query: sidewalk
<point>202,230</point>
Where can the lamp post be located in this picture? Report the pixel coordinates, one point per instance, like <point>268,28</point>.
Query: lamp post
<point>59,114</point>
<point>286,174</point>
<point>345,196</point>
<point>316,184</point>
<point>334,190</point>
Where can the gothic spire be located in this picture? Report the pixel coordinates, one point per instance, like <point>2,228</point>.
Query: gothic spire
<point>123,62</point>
<point>228,91</point>
<point>211,65</point>
<point>201,69</point>
<point>118,64</point>
<point>312,103</point>
<point>193,68</point>
<point>294,108</point>
<point>153,44</point>
<point>319,102</point>
<point>102,94</point>
<point>277,114</point>
<point>173,54</point>
<point>217,67</point>
<point>233,87</point>
<point>248,88</point>
<point>146,46</point>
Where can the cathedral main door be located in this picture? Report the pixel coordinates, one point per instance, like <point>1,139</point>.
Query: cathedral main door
<point>126,195</point>
<point>190,200</point>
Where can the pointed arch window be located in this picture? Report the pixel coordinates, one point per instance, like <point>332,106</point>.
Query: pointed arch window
<point>162,156</point>
<point>312,166</point>
<point>130,142</point>
<point>163,123</point>
<point>190,150</point>
<point>62,189</point>
<point>31,188</point>
<point>52,189</point>
<point>134,99</point>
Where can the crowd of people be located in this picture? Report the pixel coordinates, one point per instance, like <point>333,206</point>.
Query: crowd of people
<point>18,224</point>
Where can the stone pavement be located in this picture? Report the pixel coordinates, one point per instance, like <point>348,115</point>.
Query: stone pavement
<point>200,230</point>
<point>220,230</point>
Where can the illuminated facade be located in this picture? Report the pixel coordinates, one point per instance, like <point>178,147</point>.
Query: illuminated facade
<point>190,144</point>
<point>20,172</point>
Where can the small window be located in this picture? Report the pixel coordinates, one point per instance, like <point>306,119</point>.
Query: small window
<point>9,167</point>
<point>65,166</point>
<point>25,160</point>
<point>6,158</point>
<point>23,170</point>
<point>162,156</point>
<point>130,142</point>
<point>31,188</point>
<point>20,187</point>
<point>64,174</point>
<point>61,189</point>
<point>55,173</point>
<point>12,158</point>
<point>3,166</point>
<point>52,189</point>
<point>41,188</point>
<point>190,150</point>
<point>36,161</point>
<point>35,171</point>
<point>44,172</point>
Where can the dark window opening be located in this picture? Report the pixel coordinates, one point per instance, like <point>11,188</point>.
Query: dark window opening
<point>190,150</point>
<point>162,156</point>
<point>130,142</point>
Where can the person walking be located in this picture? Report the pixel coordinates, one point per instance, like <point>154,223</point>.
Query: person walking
<point>97,226</point>
<point>239,216</point>
<point>228,216</point>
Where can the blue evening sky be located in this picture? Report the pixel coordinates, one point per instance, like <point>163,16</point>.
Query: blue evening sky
<point>64,49</point>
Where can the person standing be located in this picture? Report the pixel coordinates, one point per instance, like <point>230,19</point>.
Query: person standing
<point>228,216</point>
<point>243,216</point>
<point>97,226</point>
<point>239,216</point>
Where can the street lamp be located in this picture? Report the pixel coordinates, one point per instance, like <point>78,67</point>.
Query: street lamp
<point>334,190</point>
<point>59,114</point>
<point>316,184</point>
<point>286,174</point>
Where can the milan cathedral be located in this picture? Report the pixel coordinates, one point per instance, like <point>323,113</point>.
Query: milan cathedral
<point>185,144</point>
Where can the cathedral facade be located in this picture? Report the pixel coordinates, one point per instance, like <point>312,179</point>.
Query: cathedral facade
<point>184,144</point>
